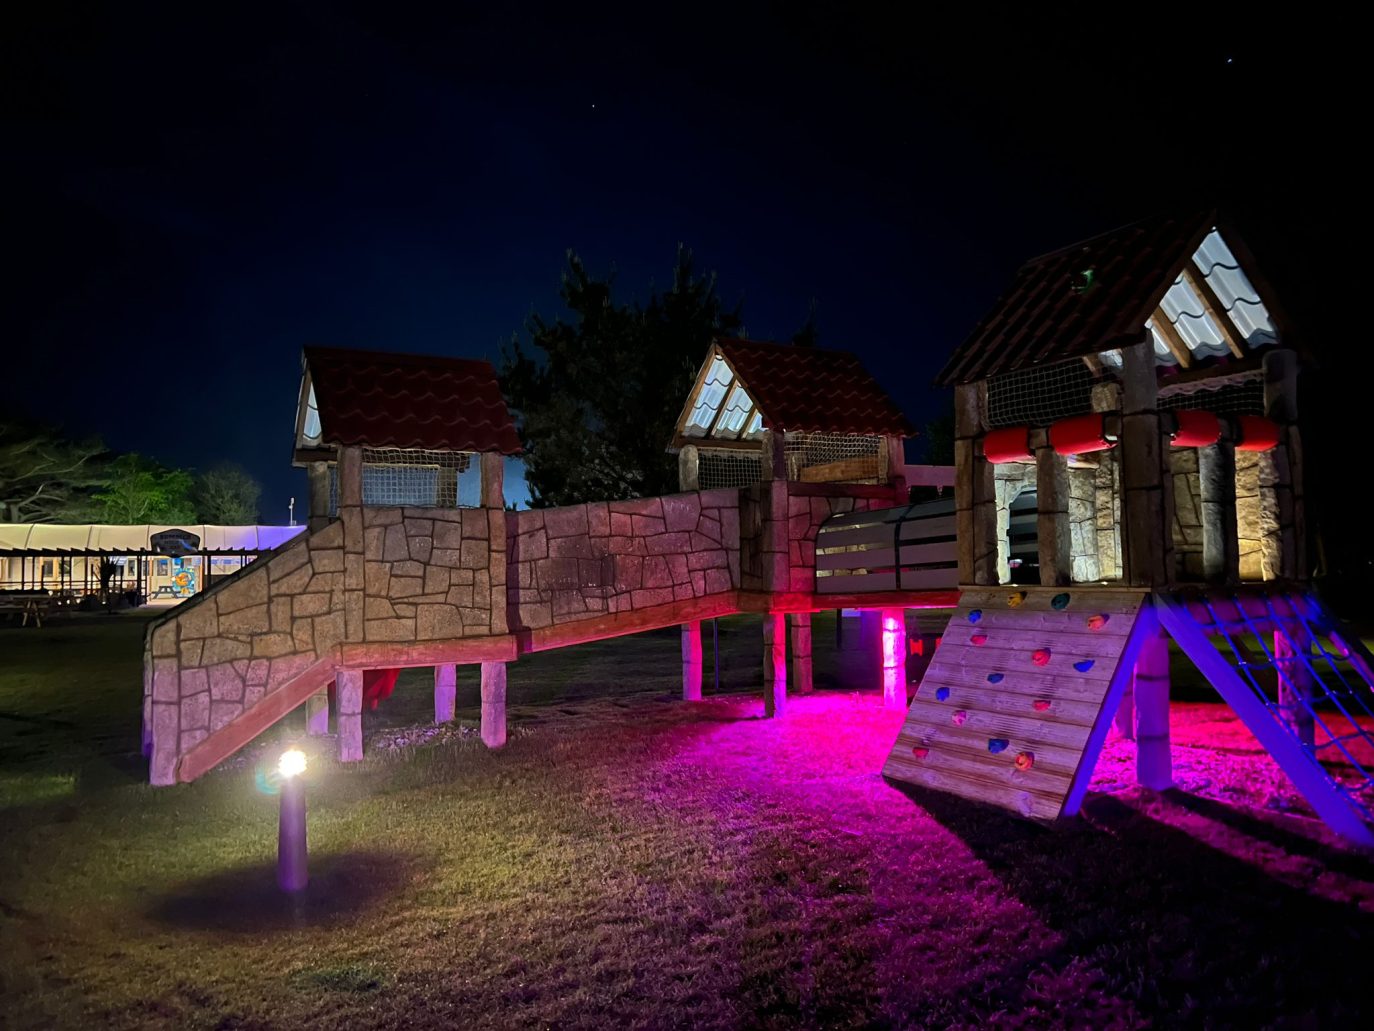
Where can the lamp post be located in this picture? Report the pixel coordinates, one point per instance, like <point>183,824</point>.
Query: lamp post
<point>292,875</point>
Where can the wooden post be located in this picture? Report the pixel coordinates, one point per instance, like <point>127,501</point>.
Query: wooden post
<point>894,658</point>
<point>348,694</point>
<point>1291,646</point>
<point>1147,491</point>
<point>1125,713</point>
<point>891,463</point>
<point>774,455</point>
<point>975,490</point>
<point>774,664</point>
<point>445,691</point>
<point>493,704</point>
<point>1052,517</point>
<point>492,473</point>
<point>317,714</point>
<point>800,626</point>
<point>1281,405</point>
<point>318,478</point>
<point>688,468</point>
<point>1153,762</point>
<point>691,662</point>
<point>1216,466</point>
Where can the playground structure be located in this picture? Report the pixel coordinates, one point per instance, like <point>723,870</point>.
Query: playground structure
<point>411,558</point>
<point>1143,385</point>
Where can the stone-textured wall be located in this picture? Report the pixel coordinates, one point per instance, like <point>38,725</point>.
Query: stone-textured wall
<point>1010,480</point>
<point>1084,565</point>
<point>805,514</point>
<point>606,557</point>
<point>1107,509</point>
<point>1187,530</point>
<point>1258,523</point>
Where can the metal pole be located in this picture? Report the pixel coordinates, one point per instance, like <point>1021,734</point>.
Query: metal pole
<point>291,854</point>
<point>715,650</point>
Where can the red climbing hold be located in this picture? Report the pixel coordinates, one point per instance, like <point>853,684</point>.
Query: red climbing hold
<point>1098,622</point>
<point>959,716</point>
<point>1041,656</point>
<point>919,752</point>
<point>1040,704</point>
<point>1025,760</point>
<point>978,639</point>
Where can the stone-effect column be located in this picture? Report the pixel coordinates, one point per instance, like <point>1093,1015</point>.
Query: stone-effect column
<point>493,704</point>
<point>318,478</point>
<point>348,694</point>
<point>1216,466</point>
<point>1282,467</point>
<point>975,492</point>
<point>799,624</point>
<point>317,714</point>
<point>774,664</point>
<point>894,658</point>
<point>1153,762</point>
<point>691,662</point>
<point>1147,491</point>
<point>688,468</point>
<point>1055,536</point>
<point>1291,646</point>
<point>445,692</point>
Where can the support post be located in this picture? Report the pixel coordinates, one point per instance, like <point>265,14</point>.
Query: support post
<point>975,491</point>
<point>691,662</point>
<point>689,468</point>
<point>1147,507</point>
<point>774,664</point>
<point>445,692</point>
<point>318,474</point>
<point>317,714</point>
<point>1125,713</point>
<point>1216,467</point>
<point>1153,762</point>
<point>894,658</point>
<point>799,624</point>
<point>1052,517</point>
<point>492,472</point>
<point>774,455</point>
<point>1281,405</point>
<point>1291,646</point>
<point>348,693</point>
<point>494,704</point>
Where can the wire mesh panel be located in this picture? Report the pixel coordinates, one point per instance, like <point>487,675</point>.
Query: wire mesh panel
<point>1245,397</point>
<point>820,457</point>
<point>1041,394</point>
<point>718,469</point>
<point>421,479</point>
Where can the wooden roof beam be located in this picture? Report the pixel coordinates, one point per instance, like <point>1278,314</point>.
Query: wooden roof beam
<point>1212,305</point>
<point>1178,347</point>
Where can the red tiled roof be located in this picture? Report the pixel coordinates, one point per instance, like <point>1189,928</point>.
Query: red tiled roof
<point>813,390</point>
<point>1045,316</point>
<point>376,399</point>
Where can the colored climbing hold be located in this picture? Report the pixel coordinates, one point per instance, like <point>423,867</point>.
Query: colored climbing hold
<point>959,716</point>
<point>1060,602</point>
<point>997,744</point>
<point>1025,760</point>
<point>919,752</point>
<point>1099,621</point>
<point>1040,704</point>
<point>978,639</point>
<point>1083,665</point>
<point>996,678</point>
<point>975,615</point>
<point>1041,656</point>
<point>941,694</point>
<point>1016,598</point>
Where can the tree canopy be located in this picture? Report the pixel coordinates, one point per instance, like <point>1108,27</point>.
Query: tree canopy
<point>227,495</point>
<point>44,477</point>
<point>141,491</point>
<point>597,391</point>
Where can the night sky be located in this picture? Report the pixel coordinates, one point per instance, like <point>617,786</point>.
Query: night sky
<point>193,196</point>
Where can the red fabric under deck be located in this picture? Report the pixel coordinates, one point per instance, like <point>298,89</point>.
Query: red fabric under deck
<point>1196,429</point>
<point>1257,433</point>
<point>1080,435</point>
<point>1011,444</point>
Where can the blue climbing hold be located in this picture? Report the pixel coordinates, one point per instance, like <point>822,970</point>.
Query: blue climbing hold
<point>975,615</point>
<point>941,694</point>
<point>997,744</point>
<point>1083,665</point>
<point>1059,602</point>
<point>996,678</point>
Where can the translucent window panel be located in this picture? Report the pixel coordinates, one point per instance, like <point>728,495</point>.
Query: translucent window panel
<point>1163,356</point>
<point>737,408</point>
<point>754,431</point>
<point>1235,291</point>
<point>311,430</point>
<point>1112,359</point>
<point>713,388</point>
<point>1184,309</point>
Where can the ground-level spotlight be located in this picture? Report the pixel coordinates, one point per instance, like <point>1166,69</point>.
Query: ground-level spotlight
<point>291,855</point>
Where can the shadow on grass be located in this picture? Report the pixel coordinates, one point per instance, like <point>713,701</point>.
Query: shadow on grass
<point>1185,931</point>
<point>343,886</point>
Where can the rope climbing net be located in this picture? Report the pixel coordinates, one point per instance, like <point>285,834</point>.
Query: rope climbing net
<point>718,469</point>
<point>1040,395</point>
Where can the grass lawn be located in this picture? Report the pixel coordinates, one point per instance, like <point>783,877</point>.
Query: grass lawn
<point>632,861</point>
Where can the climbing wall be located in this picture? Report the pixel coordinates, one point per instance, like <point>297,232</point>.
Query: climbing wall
<point>1015,706</point>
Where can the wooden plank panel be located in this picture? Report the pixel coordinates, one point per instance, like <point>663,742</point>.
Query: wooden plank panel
<point>955,756</point>
<point>870,558</point>
<point>844,469</point>
<point>912,580</point>
<point>881,533</point>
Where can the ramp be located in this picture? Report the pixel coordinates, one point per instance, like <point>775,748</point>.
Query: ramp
<point>1015,706</point>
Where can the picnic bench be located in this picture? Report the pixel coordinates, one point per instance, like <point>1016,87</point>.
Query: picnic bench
<point>29,606</point>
